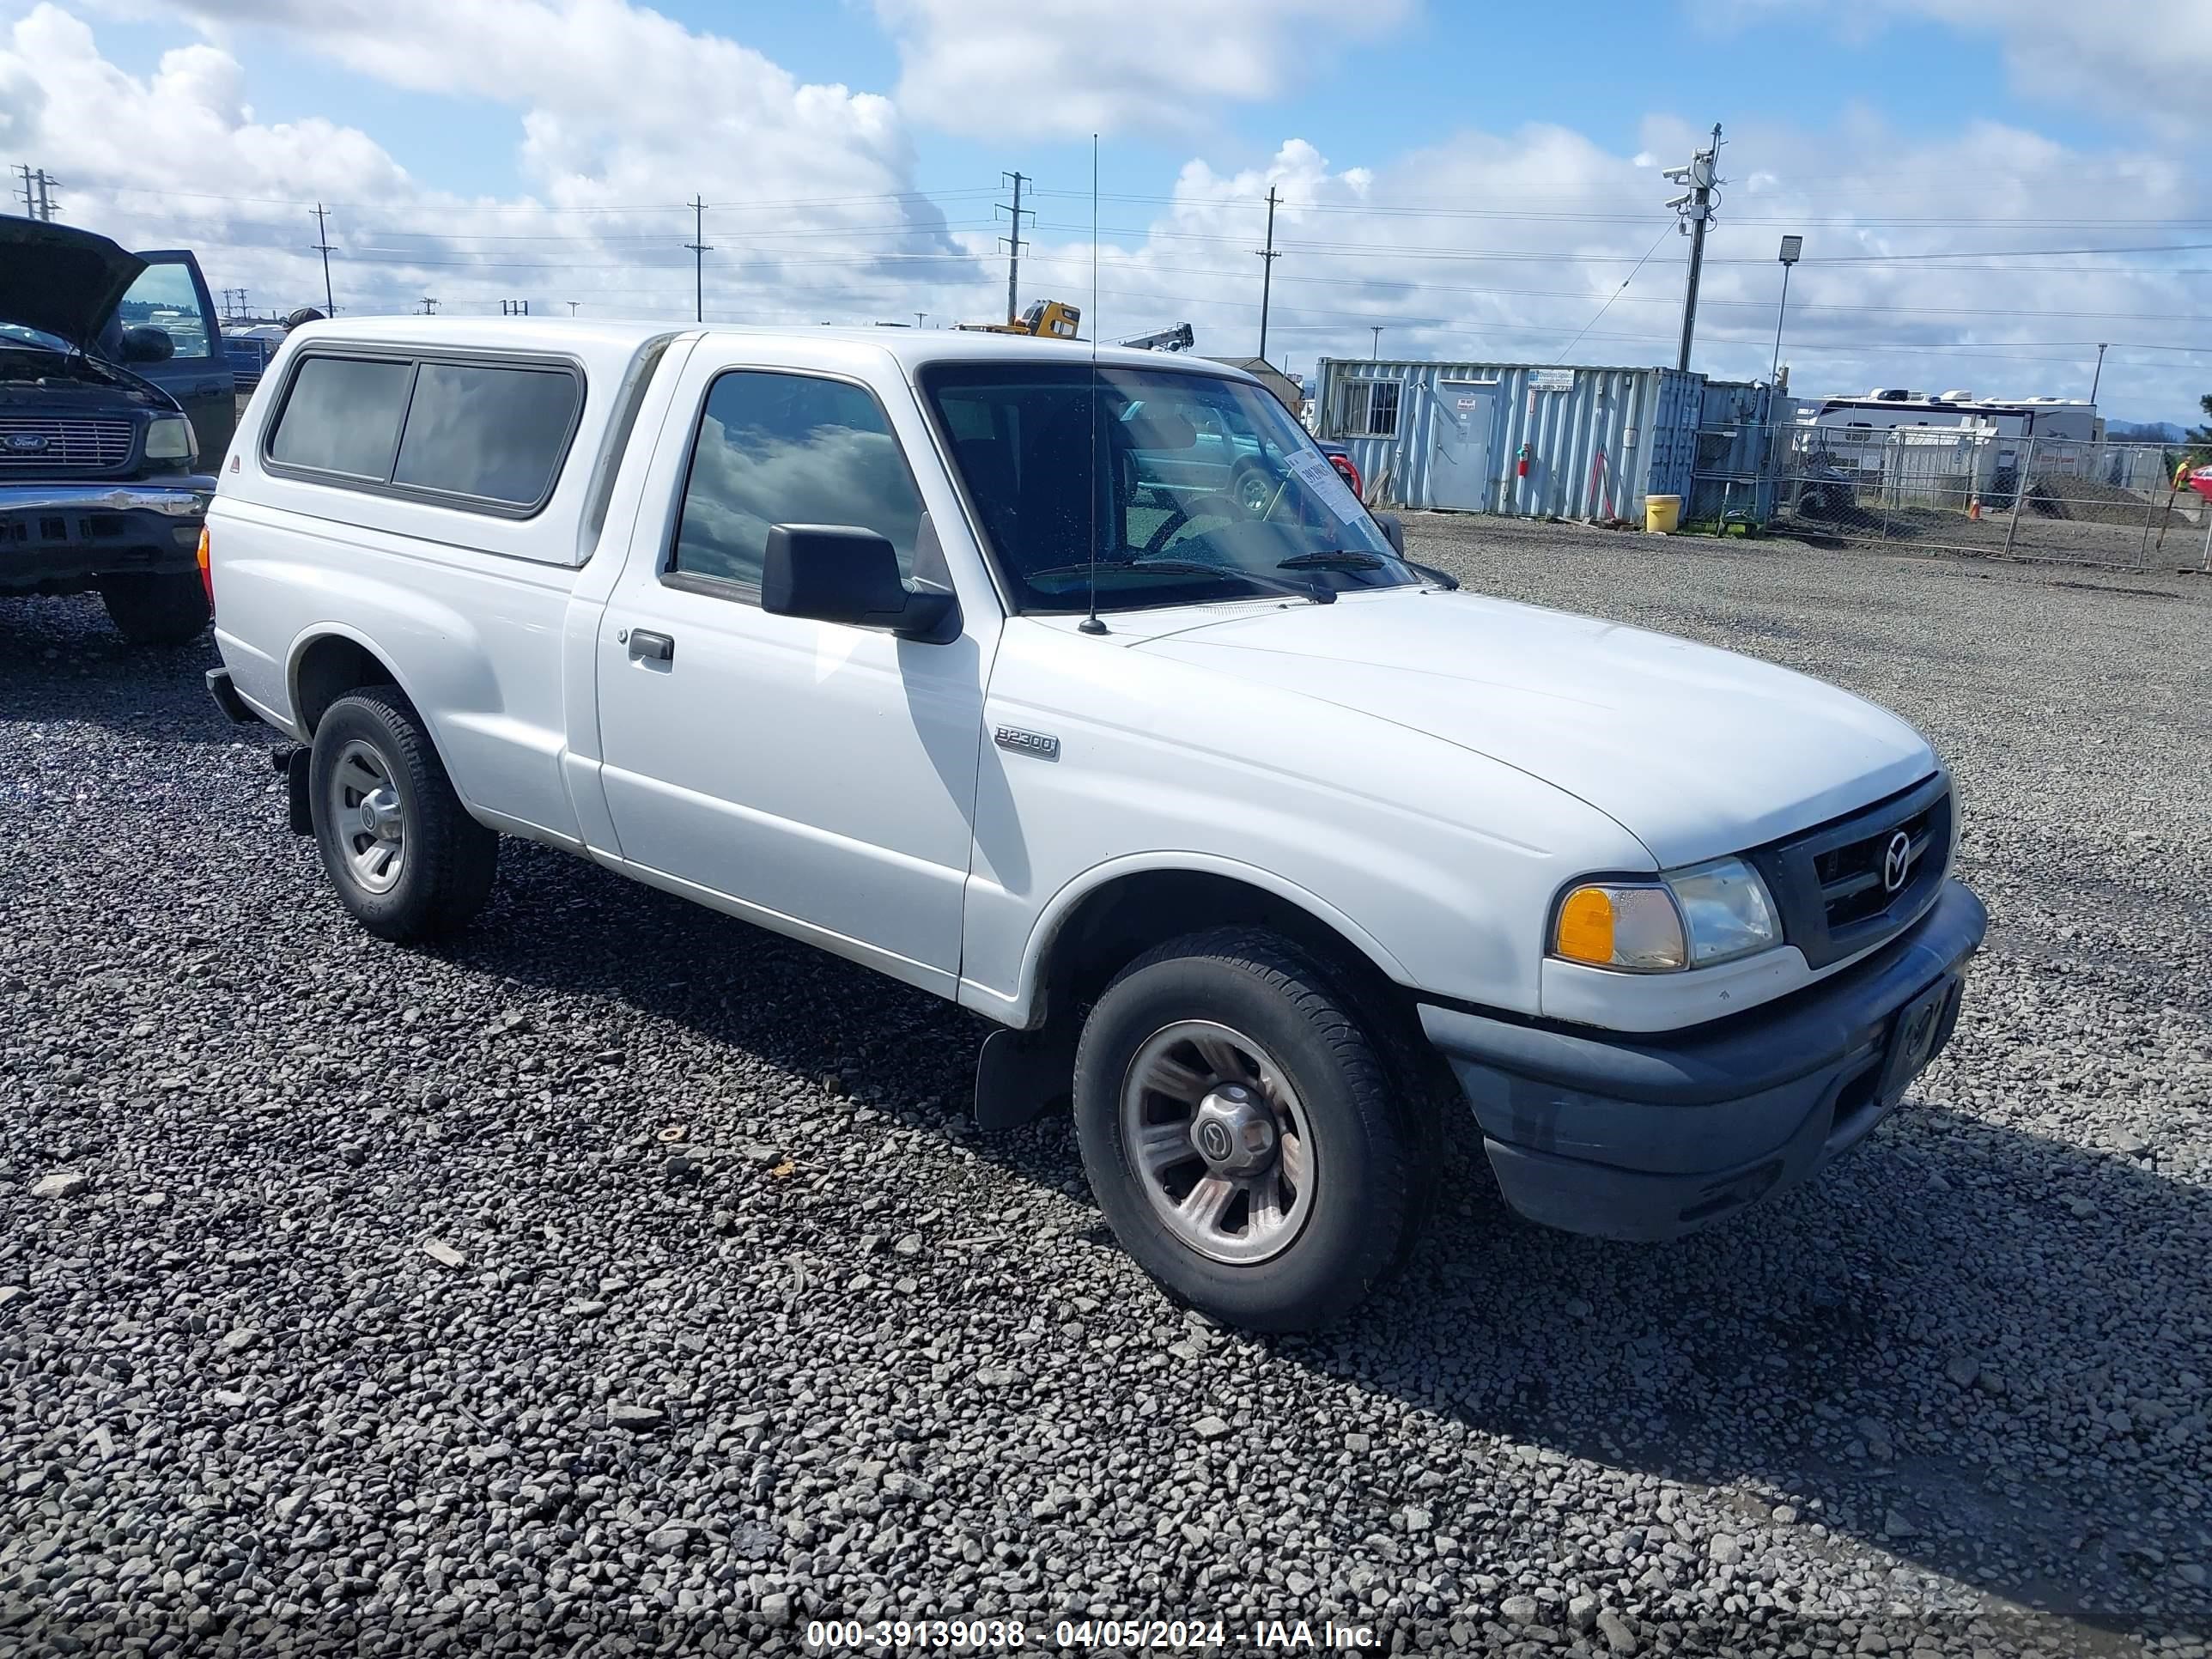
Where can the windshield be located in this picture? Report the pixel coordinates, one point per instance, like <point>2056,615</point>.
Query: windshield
<point>1190,486</point>
<point>16,336</point>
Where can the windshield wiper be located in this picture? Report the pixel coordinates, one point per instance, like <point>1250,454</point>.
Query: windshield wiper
<point>1341,558</point>
<point>1317,593</point>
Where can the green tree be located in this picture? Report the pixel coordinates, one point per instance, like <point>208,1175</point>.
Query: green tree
<point>2200,437</point>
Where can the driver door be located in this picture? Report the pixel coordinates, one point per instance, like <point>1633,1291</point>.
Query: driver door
<point>812,776</point>
<point>172,296</point>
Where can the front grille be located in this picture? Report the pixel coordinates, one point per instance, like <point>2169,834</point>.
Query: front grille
<point>70,444</point>
<point>1832,884</point>
<point>1853,877</point>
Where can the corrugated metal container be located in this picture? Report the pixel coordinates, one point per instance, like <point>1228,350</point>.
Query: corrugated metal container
<point>1733,477</point>
<point>1598,440</point>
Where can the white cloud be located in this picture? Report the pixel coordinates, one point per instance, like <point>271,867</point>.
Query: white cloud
<point>1485,246</point>
<point>616,107</point>
<point>1024,67</point>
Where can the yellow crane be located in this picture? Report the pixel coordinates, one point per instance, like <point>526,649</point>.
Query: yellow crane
<point>1047,319</point>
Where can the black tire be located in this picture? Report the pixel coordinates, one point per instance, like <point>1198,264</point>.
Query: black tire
<point>446,873</point>
<point>1371,1172</point>
<point>1253,490</point>
<point>167,609</point>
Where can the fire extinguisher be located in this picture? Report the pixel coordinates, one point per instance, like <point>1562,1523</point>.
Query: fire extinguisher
<point>1520,462</point>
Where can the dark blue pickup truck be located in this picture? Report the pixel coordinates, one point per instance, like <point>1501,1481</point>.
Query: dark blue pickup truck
<point>113,387</point>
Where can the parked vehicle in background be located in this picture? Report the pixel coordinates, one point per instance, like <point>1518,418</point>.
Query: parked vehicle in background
<point>100,486</point>
<point>1339,457</point>
<point>969,658</point>
<point>249,349</point>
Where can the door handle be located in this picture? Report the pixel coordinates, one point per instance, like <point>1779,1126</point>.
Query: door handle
<point>647,646</point>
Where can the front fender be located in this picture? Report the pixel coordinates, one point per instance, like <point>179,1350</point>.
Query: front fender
<point>1053,918</point>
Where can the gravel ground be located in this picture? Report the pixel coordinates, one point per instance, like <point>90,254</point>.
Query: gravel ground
<point>620,1279</point>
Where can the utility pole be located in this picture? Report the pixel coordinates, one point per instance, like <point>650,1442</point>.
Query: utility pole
<point>430,306</point>
<point>2097,379</point>
<point>1376,350</point>
<point>1694,209</point>
<point>918,316</point>
<point>573,304</point>
<point>700,249</point>
<point>1014,244</point>
<point>323,247</point>
<point>1268,255</point>
<point>38,198</point>
<point>514,307</point>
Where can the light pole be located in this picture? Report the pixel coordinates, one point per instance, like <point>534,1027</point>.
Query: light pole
<point>1791,247</point>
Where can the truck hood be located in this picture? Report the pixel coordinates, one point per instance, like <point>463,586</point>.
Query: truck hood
<point>60,280</point>
<point>1695,751</point>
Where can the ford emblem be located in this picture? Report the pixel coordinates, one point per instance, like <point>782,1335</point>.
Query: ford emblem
<point>27,443</point>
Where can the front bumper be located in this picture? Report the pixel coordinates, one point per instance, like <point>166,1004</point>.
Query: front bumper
<point>1650,1137</point>
<point>62,538</point>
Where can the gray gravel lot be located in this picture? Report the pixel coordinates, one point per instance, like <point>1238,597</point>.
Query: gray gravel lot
<point>620,1279</point>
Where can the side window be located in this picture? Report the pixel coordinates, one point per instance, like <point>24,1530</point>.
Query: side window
<point>342,415</point>
<point>1383,412</point>
<point>492,435</point>
<point>164,297</point>
<point>782,448</point>
<point>495,434</point>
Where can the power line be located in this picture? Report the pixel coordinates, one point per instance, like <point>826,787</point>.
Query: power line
<point>1615,294</point>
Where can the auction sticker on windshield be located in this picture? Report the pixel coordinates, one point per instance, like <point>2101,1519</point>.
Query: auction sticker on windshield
<point>1315,473</point>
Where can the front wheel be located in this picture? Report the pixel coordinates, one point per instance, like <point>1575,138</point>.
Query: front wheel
<point>403,853</point>
<point>1241,1133</point>
<point>165,608</point>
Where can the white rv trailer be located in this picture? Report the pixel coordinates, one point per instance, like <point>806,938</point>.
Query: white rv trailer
<point>2008,421</point>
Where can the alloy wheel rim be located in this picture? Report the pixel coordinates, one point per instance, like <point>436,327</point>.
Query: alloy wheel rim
<point>369,816</point>
<point>1219,1140</point>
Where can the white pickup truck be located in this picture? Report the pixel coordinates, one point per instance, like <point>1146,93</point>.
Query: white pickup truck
<point>1076,689</point>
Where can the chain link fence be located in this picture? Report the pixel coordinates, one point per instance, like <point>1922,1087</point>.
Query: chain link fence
<point>1975,490</point>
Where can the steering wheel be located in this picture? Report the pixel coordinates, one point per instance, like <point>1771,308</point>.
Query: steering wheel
<point>1213,506</point>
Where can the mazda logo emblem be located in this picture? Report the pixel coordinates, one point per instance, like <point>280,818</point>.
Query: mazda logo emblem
<point>27,443</point>
<point>1896,862</point>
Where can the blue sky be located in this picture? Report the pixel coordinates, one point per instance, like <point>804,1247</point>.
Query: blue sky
<point>1477,178</point>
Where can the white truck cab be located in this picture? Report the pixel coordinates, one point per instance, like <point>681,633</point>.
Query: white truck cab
<point>1078,689</point>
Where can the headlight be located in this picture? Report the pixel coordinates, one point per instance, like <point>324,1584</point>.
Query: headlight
<point>1685,919</point>
<point>169,438</point>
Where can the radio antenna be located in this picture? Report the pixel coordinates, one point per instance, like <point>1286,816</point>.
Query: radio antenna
<point>1091,624</point>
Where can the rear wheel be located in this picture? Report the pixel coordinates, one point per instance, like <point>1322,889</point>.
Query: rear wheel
<point>1241,1133</point>
<point>403,853</point>
<point>165,608</point>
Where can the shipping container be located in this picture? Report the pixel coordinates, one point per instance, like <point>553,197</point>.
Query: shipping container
<point>1533,440</point>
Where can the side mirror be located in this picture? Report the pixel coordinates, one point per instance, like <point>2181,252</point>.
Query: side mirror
<point>1394,531</point>
<point>843,573</point>
<point>147,345</point>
